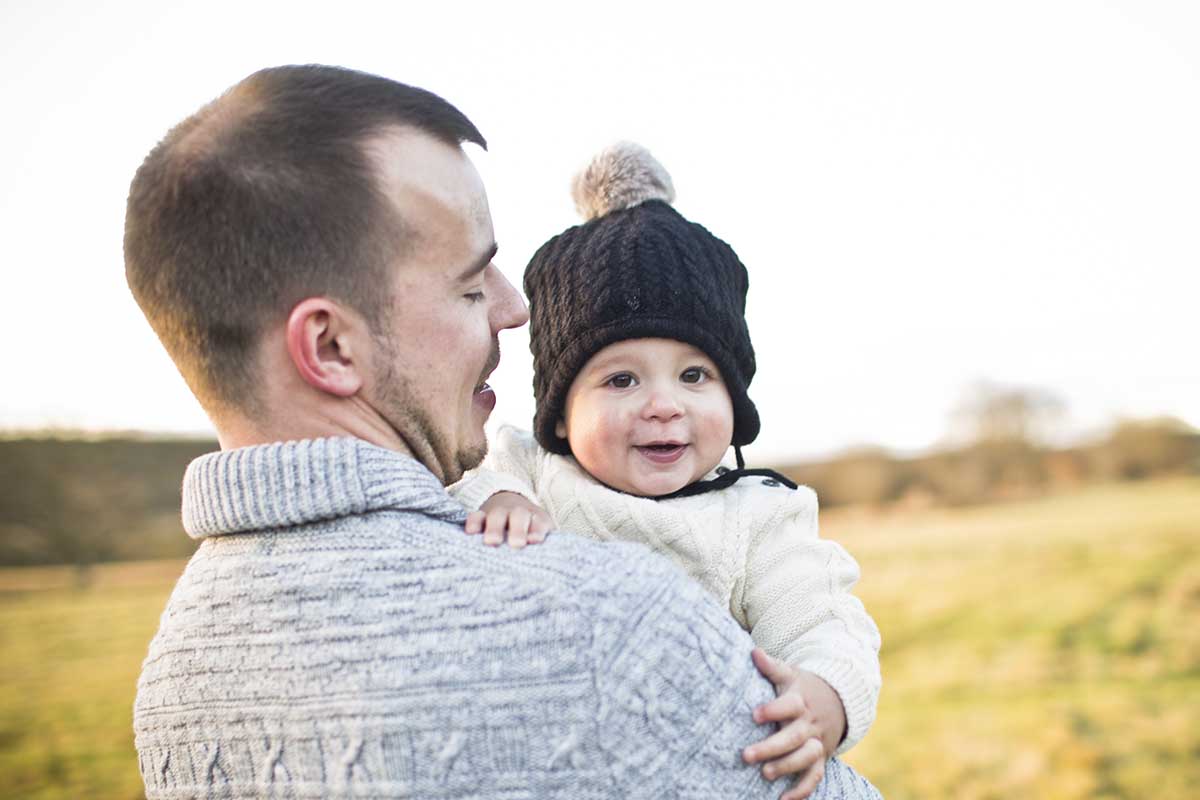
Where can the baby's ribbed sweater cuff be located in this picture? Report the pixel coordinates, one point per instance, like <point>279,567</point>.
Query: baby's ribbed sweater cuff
<point>854,690</point>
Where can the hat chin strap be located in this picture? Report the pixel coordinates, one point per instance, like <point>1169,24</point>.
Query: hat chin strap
<point>727,480</point>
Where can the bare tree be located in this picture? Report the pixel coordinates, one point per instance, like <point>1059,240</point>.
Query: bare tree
<point>992,414</point>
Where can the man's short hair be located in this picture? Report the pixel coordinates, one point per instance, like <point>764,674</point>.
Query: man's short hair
<point>264,197</point>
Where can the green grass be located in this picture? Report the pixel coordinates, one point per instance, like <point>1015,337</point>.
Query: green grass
<point>1046,648</point>
<point>72,647</point>
<point>1038,649</point>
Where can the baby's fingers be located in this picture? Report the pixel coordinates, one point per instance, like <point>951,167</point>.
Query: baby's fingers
<point>495,526</point>
<point>790,737</point>
<point>475,521</point>
<point>774,670</point>
<point>518,528</point>
<point>539,526</point>
<point>813,754</point>
<point>785,707</point>
<point>807,755</point>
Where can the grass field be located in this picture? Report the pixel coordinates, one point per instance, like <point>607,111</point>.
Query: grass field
<point>1040,649</point>
<point>1048,648</point>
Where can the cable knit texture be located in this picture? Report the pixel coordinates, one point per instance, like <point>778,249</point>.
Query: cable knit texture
<point>754,546</point>
<point>337,635</point>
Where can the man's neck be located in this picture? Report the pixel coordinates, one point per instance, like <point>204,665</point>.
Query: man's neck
<point>299,422</point>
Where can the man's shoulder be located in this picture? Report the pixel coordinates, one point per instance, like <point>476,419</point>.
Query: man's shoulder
<point>615,573</point>
<point>379,552</point>
<point>610,563</point>
<point>642,605</point>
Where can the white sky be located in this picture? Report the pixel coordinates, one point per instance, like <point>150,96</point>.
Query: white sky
<point>925,193</point>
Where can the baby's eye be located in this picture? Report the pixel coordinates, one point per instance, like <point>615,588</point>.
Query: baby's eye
<point>622,380</point>
<point>693,375</point>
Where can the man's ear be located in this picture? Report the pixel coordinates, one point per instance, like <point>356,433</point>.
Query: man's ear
<point>321,340</point>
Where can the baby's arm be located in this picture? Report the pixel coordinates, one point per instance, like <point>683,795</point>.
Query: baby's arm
<point>795,600</point>
<point>501,496</point>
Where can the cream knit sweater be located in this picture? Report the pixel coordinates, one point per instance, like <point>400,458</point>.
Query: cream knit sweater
<point>754,546</point>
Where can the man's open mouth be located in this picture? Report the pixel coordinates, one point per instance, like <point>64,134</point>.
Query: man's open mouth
<point>483,397</point>
<point>492,362</point>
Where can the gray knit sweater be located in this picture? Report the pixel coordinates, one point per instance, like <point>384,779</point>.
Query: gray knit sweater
<point>337,635</point>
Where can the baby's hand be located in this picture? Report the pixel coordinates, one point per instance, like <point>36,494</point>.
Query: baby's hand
<point>509,512</point>
<point>811,723</point>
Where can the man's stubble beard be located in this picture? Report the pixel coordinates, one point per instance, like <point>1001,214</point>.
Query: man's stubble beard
<point>399,406</point>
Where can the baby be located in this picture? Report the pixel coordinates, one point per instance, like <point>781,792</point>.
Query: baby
<point>642,360</point>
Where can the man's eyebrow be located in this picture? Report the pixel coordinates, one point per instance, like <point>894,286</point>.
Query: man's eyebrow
<point>479,264</point>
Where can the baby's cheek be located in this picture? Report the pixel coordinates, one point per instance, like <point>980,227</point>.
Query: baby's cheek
<point>606,440</point>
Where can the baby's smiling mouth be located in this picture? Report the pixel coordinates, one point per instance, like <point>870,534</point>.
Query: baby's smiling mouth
<point>661,452</point>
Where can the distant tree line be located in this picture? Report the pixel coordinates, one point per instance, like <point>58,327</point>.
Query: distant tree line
<point>1002,448</point>
<point>78,501</point>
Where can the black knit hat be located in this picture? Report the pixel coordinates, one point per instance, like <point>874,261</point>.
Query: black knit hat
<point>636,268</point>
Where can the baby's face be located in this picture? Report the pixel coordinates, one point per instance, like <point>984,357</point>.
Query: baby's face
<point>648,416</point>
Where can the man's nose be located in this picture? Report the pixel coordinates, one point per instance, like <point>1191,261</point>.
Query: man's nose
<point>509,310</point>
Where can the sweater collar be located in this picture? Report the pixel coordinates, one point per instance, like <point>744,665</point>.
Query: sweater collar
<point>294,483</point>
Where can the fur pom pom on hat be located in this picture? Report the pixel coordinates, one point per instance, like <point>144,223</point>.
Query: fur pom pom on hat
<point>634,269</point>
<point>620,176</point>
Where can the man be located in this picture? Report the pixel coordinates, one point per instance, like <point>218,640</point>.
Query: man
<point>314,249</point>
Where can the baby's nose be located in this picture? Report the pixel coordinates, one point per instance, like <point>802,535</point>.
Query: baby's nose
<point>662,405</point>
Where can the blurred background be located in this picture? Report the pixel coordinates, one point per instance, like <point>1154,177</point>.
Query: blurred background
<point>971,231</point>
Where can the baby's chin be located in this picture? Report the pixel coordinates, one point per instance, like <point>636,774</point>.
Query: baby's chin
<point>655,488</point>
<point>652,485</point>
